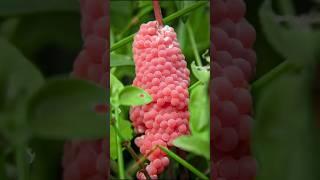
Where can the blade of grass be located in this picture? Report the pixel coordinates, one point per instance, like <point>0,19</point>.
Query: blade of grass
<point>184,163</point>
<point>193,44</point>
<point>136,19</point>
<point>169,18</point>
<point>283,67</point>
<point>194,85</point>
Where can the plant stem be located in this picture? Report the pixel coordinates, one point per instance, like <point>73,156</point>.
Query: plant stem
<point>126,145</point>
<point>157,12</point>
<point>271,75</point>
<point>173,16</point>
<point>184,163</point>
<point>136,158</point>
<point>184,11</point>
<point>136,19</point>
<point>193,44</point>
<point>119,148</point>
<point>194,85</point>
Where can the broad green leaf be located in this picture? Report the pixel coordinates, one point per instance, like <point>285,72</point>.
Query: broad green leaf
<point>18,77</point>
<point>20,7</point>
<point>126,132</point>
<point>65,109</point>
<point>116,85</point>
<point>134,96</point>
<point>194,144</point>
<point>201,73</point>
<point>298,42</point>
<point>120,60</point>
<point>286,142</point>
<point>199,117</point>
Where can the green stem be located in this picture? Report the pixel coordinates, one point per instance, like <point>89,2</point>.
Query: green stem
<point>119,148</point>
<point>126,144</point>
<point>271,75</point>
<point>193,44</point>
<point>173,16</point>
<point>194,85</point>
<point>136,19</point>
<point>184,163</point>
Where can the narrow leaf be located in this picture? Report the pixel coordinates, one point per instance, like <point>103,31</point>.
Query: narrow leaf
<point>184,163</point>
<point>120,60</point>
<point>199,117</point>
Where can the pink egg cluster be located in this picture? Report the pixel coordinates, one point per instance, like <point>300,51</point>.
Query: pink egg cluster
<point>233,67</point>
<point>162,71</point>
<point>91,63</point>
<point>87,160</point>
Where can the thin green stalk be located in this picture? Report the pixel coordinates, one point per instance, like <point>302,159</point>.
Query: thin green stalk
<point>119,148</point>
<point>184,163</point>
<point>173,16</point>
<point>193,44</point>
<point>136,19</point>
<point>194,85</point>
<point>271,75</point>
<point>126,145</point>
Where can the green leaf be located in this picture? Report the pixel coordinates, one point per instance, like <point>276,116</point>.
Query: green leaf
<point>20,7</point>
<point>199,145</point>
<point>201,73</point>
<point>116,86</point>
<point>288,41</point>
<point>286,141</point>
<point>65,109</point>
<point>126,133</point>
<point>199,117</point>
<point>120,60</point>
<point>18,77</point>
<point>134,96</point>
